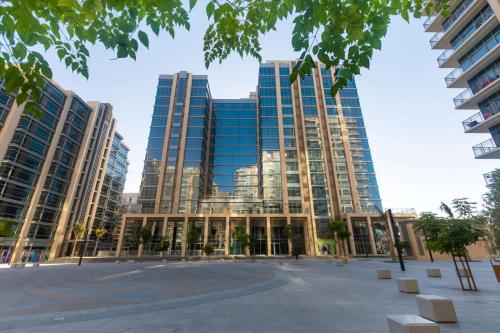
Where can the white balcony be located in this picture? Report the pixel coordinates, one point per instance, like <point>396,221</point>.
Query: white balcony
<point>481,122</point>
<point>484,24</point>
<point>468,100</point>
<point>458,78</point>
<point>489,149</point>
<point>441,40</point>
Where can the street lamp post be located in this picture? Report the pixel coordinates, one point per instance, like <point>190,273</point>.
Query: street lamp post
<point>396,239</point>
<point>82,251</point>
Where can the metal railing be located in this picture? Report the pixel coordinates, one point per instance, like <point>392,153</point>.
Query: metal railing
<point>453,76</point>
<point>428,21</point>
<point>463,97</point>
<point>473,121</point>
<point>456,14</point>
<point>435,39</point>
<point>486,146</point>
<point>465,35</point>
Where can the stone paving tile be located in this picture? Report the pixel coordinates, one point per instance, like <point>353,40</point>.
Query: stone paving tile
<point>224,297</point>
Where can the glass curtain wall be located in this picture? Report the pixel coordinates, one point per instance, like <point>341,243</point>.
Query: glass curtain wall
<point>233,169</point>
<point>193,170</point>
<point>271,188</point>
<point>314,145</point>
<point>291,156</point>
<point>364,173</point>
<point>154,148</point>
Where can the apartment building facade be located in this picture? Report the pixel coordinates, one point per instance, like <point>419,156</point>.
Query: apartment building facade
<point>51,171</point>
<point>289,155</point>
<point>470,38</point>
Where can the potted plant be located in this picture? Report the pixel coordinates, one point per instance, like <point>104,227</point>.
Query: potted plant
<point>208,249</point>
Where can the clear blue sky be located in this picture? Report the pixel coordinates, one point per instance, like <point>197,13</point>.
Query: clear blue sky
<point>421,155</point>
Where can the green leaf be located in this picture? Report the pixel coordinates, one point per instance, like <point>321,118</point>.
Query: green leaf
<point>155,27</point>
<point>210,9</point>
<point>19,51</point>
<point>143,37</point>
<point>122,52</point>
<point>192,3</point>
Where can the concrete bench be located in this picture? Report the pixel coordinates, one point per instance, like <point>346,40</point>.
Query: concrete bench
<point>130,261</point>
<point>464,272</point>
<point>18,265</point>
<point>407,285</point>
<point>36,264</point>
<point>340,263</point>
<point>433,272</point>
<point>411,324</point>
<point>164,260</point>
<point>384,273</point>
<point>436,308</point>
<point>117,261</point>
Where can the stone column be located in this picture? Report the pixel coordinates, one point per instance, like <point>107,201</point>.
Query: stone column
<point>141,246</point>
<point>164,233</point>
<point>205,233</point>
<point>247,230</point>
<point>351,238</point>
<point>226,239</point>
<point>120,237</point>
<point>268,233</point>
<point>184,236</point>
<point>372,235</point>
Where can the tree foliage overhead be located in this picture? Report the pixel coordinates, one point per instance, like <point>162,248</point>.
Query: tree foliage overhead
<point>340,33</point>
<point>492,208</point>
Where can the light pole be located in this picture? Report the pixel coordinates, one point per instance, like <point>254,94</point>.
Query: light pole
<point>84,248</point>
<point>396,239</point>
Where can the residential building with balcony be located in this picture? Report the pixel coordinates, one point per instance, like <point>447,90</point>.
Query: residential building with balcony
<point>470,38</point>
<point>55,172</point>
<point>289,155</point>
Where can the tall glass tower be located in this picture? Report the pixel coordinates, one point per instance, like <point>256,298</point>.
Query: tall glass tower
<point>290,154</point>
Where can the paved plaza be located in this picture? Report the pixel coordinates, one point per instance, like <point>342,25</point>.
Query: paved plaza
<point>266,296</point>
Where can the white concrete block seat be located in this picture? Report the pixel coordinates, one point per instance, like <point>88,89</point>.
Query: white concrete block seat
<point>384,273</point>
<point>407,285</point>
<point>436,308</point>
<point>433,272</point>
<point>411,324</point>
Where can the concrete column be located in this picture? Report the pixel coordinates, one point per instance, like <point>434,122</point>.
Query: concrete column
<point>205,233</point>
<point>372,235</point>
<point>247,230</point>
<point>226,239</point>
<point>289,223</point>
<point>120,237</point>
<point>164,232</point>
<point>10,127</point>
<point>184,236</point>
<point>163,162</point>
<point>268,233</point>
<point>141,245</point>
<point>351,239</point>
<point>495,5</point>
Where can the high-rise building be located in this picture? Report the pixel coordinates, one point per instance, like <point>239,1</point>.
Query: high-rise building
<point>67,167</point>
<point>290,154</point>
<point>470,38</point>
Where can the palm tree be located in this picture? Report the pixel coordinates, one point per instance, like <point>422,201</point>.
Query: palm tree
<point>192,238</point>
<point>340,234</point>
<point>99,234</point>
